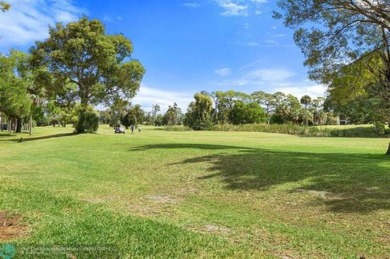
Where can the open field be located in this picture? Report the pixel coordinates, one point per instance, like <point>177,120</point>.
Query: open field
<point>195,194</point>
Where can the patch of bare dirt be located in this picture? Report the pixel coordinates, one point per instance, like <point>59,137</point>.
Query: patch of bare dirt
<point>212,228</point>
<point>103,199</point>
<point>162,199</point>
<point>11,226</point>
<point>154,205</point>
<point>321,194</point>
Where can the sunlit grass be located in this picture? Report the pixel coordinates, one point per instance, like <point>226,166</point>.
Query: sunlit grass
<point>199,194</point>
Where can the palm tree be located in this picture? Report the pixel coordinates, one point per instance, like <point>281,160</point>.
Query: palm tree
<point>306,101</point>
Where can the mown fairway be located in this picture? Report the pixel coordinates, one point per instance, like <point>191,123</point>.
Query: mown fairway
<point>196,194</point>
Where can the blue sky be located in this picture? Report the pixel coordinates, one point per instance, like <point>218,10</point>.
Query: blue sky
<point>186,46</point>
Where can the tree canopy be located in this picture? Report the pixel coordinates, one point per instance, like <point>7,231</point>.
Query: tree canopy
<point>14,99</point>
<point>198,115</point>
<point>80,61</point>
<point>245,113</point>
<point>344,32</point>
<point>4,6</point>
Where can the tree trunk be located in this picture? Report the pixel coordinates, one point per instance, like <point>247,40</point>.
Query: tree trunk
<point>388,150</point>
<point>30,125</point>
<point>18,125</point>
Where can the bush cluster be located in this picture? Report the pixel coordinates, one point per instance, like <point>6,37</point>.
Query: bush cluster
<point>88,122</point>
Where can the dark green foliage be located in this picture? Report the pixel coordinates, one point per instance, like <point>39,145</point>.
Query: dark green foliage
<point>246,113</point>
<point>117,111</point>
<point>15,101</point>
<point>159,120</point>
<point>380,127</point>
<point>224,103</point>
<point>88,122</point>
<point>267,100</point>
<point>198,124</point>
<point>276,119</point>
<point>306,101</point>
<point>173,116</point>
<point>198,116</point>
<point>128,120</point>
<point>134,116</point>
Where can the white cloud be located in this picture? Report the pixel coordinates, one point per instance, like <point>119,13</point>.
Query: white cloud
<point>250,44</point>
<point>269,43</point>
<point>223,71</point>
<point>240,7</point>
<point>108,18</point>
<point>270,75</point>
<point>304,88</point>
<point>255,77</point>
<point>147,96</point>
<point>259,77</point>
<point>28,20</point>
<point>233,9</point>
<point>192,5</point>
<point>272,41</point>
<point>279,35</point>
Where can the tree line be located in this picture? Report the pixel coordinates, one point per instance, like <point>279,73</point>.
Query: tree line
<point>259,107</point>
<point>232,107</point>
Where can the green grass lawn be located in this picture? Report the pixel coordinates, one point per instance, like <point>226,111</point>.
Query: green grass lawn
<point>190,194</point>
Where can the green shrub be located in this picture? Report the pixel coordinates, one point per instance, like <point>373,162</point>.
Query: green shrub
<point>88,122</point>
<point>379,127</point>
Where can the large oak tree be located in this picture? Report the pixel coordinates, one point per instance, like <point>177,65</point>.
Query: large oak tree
<point>82,62</point>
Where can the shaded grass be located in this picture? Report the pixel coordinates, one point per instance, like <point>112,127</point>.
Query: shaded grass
<point>201,194</point>
<point>65,222</point>
<point>358,182</point>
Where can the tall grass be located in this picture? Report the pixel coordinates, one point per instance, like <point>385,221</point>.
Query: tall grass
<point>312,131</point>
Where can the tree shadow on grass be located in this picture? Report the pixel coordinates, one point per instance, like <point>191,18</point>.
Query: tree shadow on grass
<point>350,183</point>
<point>346,182</point>
<point>187,146</point>
<point>28,138</point>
